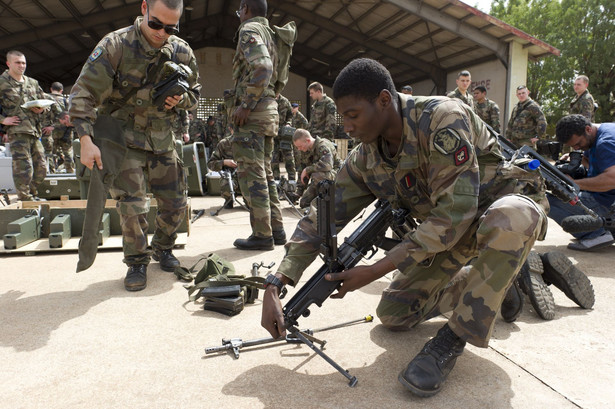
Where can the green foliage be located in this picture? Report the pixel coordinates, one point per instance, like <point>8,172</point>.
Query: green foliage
<point>584,31</point>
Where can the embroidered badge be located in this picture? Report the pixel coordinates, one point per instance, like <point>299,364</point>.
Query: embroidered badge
<point>96,53</point>
<point>409,181</point>
<point>461,156</point>
<point>446,141</point>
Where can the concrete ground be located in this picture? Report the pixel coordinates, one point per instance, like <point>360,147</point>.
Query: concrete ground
<point>72,340</point>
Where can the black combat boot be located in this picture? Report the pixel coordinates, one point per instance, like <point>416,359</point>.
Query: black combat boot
<point>532,284</point>
<point>279,237</point>
<point>167,260</point>
<point>254,243</point>
<point>559,271</point>
<point>427,372</point>
<point>513,303</point>
<point>136,277</point>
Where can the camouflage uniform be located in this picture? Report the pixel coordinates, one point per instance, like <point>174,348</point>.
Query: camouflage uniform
<point>196,130</point>
<point>62,135</point>
<point>526,122</point>
<point>467,99</point>
<point>221,122</point>
<point>49,118</point>
<point>181,125</point>
<point>583,105</point>
<point>211,136</point>
<point>224,150</point>
<point>322,118</point>
<point>114,80</point>
<point>447,174</point>
<point>489,112</point>
<point>323,164</point>
<point>254,74</point>
<point>28,162</point>
<point>299,121</point>
<point>283,149</point>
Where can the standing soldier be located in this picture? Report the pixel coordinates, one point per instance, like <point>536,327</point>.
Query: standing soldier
<point>52,129</point>
<point>463,81</point>
<point>298,120</point>
<point>196,129</point>
<point>211,134</point>
<point>322,117</point>
<point>283,144</point>
<point>583,103</point>
<point>527,123</point>
<point>486,109</point>
<point>255,117</point>
<point>118,80</point>
<point>22,126</point>
<point>322,163</point>
<point>62,133</point>
<point>221,122</point>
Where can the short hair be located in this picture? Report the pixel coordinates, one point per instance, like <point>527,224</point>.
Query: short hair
<point>364,78</point>
<point>520,87</point>
<point>258,7</point>
<point>583,78</point>
<point>316,86</point>
<point>170,4</point>
<point>406,88</point>
<point>570,125</point>
<point>480,88</point>
<point>14,53</point>
<point>301,133</point>
<point>63,114</point>
<point>57,86</point>
<point>464,73</point>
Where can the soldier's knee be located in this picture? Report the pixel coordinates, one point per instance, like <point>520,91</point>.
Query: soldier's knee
<point>513,216</point>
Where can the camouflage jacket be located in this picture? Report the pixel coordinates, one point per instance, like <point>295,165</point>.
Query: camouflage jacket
<point>583,105</point>
<point>489,112</point>
<point>299,121</point>
<point>322,118</point>
<point>181,125</point>
<point>115,80</point>
<point>196,130</point>
<point>322,157</point>
<point>223,151</point>
<point>13,94</point>
<point>446,174</point>
<point>468,99</point>
<point>285,111</point>
<point>53,112</point>
<point>526,122</point>
<point>221,121</point>
<point>254,63</point>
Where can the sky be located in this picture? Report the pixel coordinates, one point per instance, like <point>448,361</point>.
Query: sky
<point>482,5</point>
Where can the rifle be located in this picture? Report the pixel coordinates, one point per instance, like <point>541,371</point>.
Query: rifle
<point>557,182</point>
<point>228,173</point>
<point>364,239</point>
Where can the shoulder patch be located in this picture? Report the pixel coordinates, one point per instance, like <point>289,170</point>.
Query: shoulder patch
<point>461,155</point>
<point>446,141</point>
<point>95,54</point>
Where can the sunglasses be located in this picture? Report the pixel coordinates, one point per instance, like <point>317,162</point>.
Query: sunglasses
<point>157,25</point>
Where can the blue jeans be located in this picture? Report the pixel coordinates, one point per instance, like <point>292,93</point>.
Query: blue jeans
<point>560,210</point>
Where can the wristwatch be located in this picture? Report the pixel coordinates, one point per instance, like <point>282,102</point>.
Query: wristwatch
<point>273,280</point>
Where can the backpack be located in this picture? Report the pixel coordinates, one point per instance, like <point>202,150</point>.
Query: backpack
<point>284,38</point>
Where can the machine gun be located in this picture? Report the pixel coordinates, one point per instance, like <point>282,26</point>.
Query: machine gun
<point>557,182</point>
<point>227,173</point>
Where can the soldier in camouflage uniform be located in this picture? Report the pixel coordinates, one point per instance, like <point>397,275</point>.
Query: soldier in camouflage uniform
<point>50,121</point>
<point>323,163</point>
<point>119,78</point>
<point>181,126</point>
<point>486,109</point>
<point>211,134</point>
<point>283,145</point>
<point>196,129</point>
<point>221,122</point>
<point>322,117</point>
<point>434,157</point>
<point>463,81</point>
<point>299,122</point>
<point>527,123</point>
<point>222,159</point>
<point>62,134</point>
<point>583,103</point>
<point>22,126</point>
<point>255,117</point>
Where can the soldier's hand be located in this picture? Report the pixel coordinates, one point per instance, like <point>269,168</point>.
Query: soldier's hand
<point>170,102</point>
<point>240,116</point>
<point>272,318</point>
<point>357,277</point>
<point>47,130</point>
<point>304,177</point>
<point>230,163</point>
<point>11,120</point>
<point>90,154</point>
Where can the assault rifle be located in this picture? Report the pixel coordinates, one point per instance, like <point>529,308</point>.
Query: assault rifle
<point>365,239</point>
<point>557,182</point>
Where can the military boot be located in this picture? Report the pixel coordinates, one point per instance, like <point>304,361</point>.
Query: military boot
<point>167,260</point>
<point>254,243</point>
<point>560,272</point>
<point>427,372</point>
<point>513,303</point>
<point>279,237</point>
<point>532,284</point>
<point>136,277</point>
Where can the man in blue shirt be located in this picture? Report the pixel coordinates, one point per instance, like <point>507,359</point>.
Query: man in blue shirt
<point>598,188</point>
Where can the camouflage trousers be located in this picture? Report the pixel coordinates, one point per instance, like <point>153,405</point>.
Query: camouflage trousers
<point>47,142</point>
<point>252,148</point>
<point>64,151</point>
<point>225,187</point>
<point>164,175</point>
<point>493,249</point>
<point>283,152</point>
<point>28,165</point>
